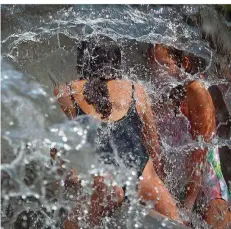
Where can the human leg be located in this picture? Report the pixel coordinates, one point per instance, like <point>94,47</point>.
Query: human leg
<point>218,215</point>
<point>152,189</point>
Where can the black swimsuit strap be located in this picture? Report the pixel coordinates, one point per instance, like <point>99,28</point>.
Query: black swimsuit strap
<point>133,104</point>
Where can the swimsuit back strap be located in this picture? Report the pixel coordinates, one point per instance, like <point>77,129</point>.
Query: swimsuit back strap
<point>133,104</point>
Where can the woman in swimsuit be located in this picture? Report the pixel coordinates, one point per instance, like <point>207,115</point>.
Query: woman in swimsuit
<point>127,118</point>
<point>206,186</point>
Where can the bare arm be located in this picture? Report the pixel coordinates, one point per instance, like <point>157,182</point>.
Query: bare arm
<point>151,186</point>
<point>152,189</point>
<point>149,131</point>
<point>200,112</point>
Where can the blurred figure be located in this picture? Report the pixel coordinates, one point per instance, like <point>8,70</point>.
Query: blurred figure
<point>127,119</point>
<point>206,187</point>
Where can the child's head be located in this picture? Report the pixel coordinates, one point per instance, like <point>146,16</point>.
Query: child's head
<point>174,60</point>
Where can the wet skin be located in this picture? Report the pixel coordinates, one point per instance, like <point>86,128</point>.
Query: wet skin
<point>120,95</point>
<point>200,111</point>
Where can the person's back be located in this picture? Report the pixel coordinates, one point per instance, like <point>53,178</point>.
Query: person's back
<point>123,127</point>
<point>126,116</point>
<point>206,189</point>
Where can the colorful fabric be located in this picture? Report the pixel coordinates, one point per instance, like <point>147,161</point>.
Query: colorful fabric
<point>213,183</point>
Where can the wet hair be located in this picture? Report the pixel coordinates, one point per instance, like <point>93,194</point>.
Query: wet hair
<point>98,61</point>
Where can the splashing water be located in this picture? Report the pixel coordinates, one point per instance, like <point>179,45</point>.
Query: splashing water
<point>41,43</point>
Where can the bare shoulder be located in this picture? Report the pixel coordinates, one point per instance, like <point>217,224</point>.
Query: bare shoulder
<point>198,92</point>
<point>77,86</point>
<point>141,93</point>
<point>201,111</point>
<point>119,83</point>
<point>120,91</point>
<point>142,99</point>
<point>196,85</point>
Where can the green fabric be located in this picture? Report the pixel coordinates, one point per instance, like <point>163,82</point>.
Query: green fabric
<point>215,163</point>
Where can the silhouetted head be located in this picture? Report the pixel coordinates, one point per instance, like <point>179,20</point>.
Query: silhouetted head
<point>98,61</point>
<point>175,59</point>
<point>98,58</point>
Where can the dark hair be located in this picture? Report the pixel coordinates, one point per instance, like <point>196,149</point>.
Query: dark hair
<point>98,61</point>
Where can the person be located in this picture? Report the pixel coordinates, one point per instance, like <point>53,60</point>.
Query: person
<point>125,112</point>
<point>206,189</point>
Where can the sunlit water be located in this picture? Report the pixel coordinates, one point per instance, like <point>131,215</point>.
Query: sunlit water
<point>38,51</point>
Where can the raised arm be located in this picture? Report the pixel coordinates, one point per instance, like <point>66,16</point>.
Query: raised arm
<point>200,111</point>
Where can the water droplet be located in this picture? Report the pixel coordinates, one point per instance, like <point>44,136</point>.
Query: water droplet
<point>85,211</point>
<point>54,130</point>
<point>114,183</point>
<point>127,183</point>
<point>37,196</point>
<point>47,140</point>
<point>61,133</point>
<point>164,222</point>
<point>66,147</point>
<point>78,147</point>
<point>11,123</point>
<point>80,133</point>
<point>75,129</point>
<point>84,183</point>
<point>156,189</point>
